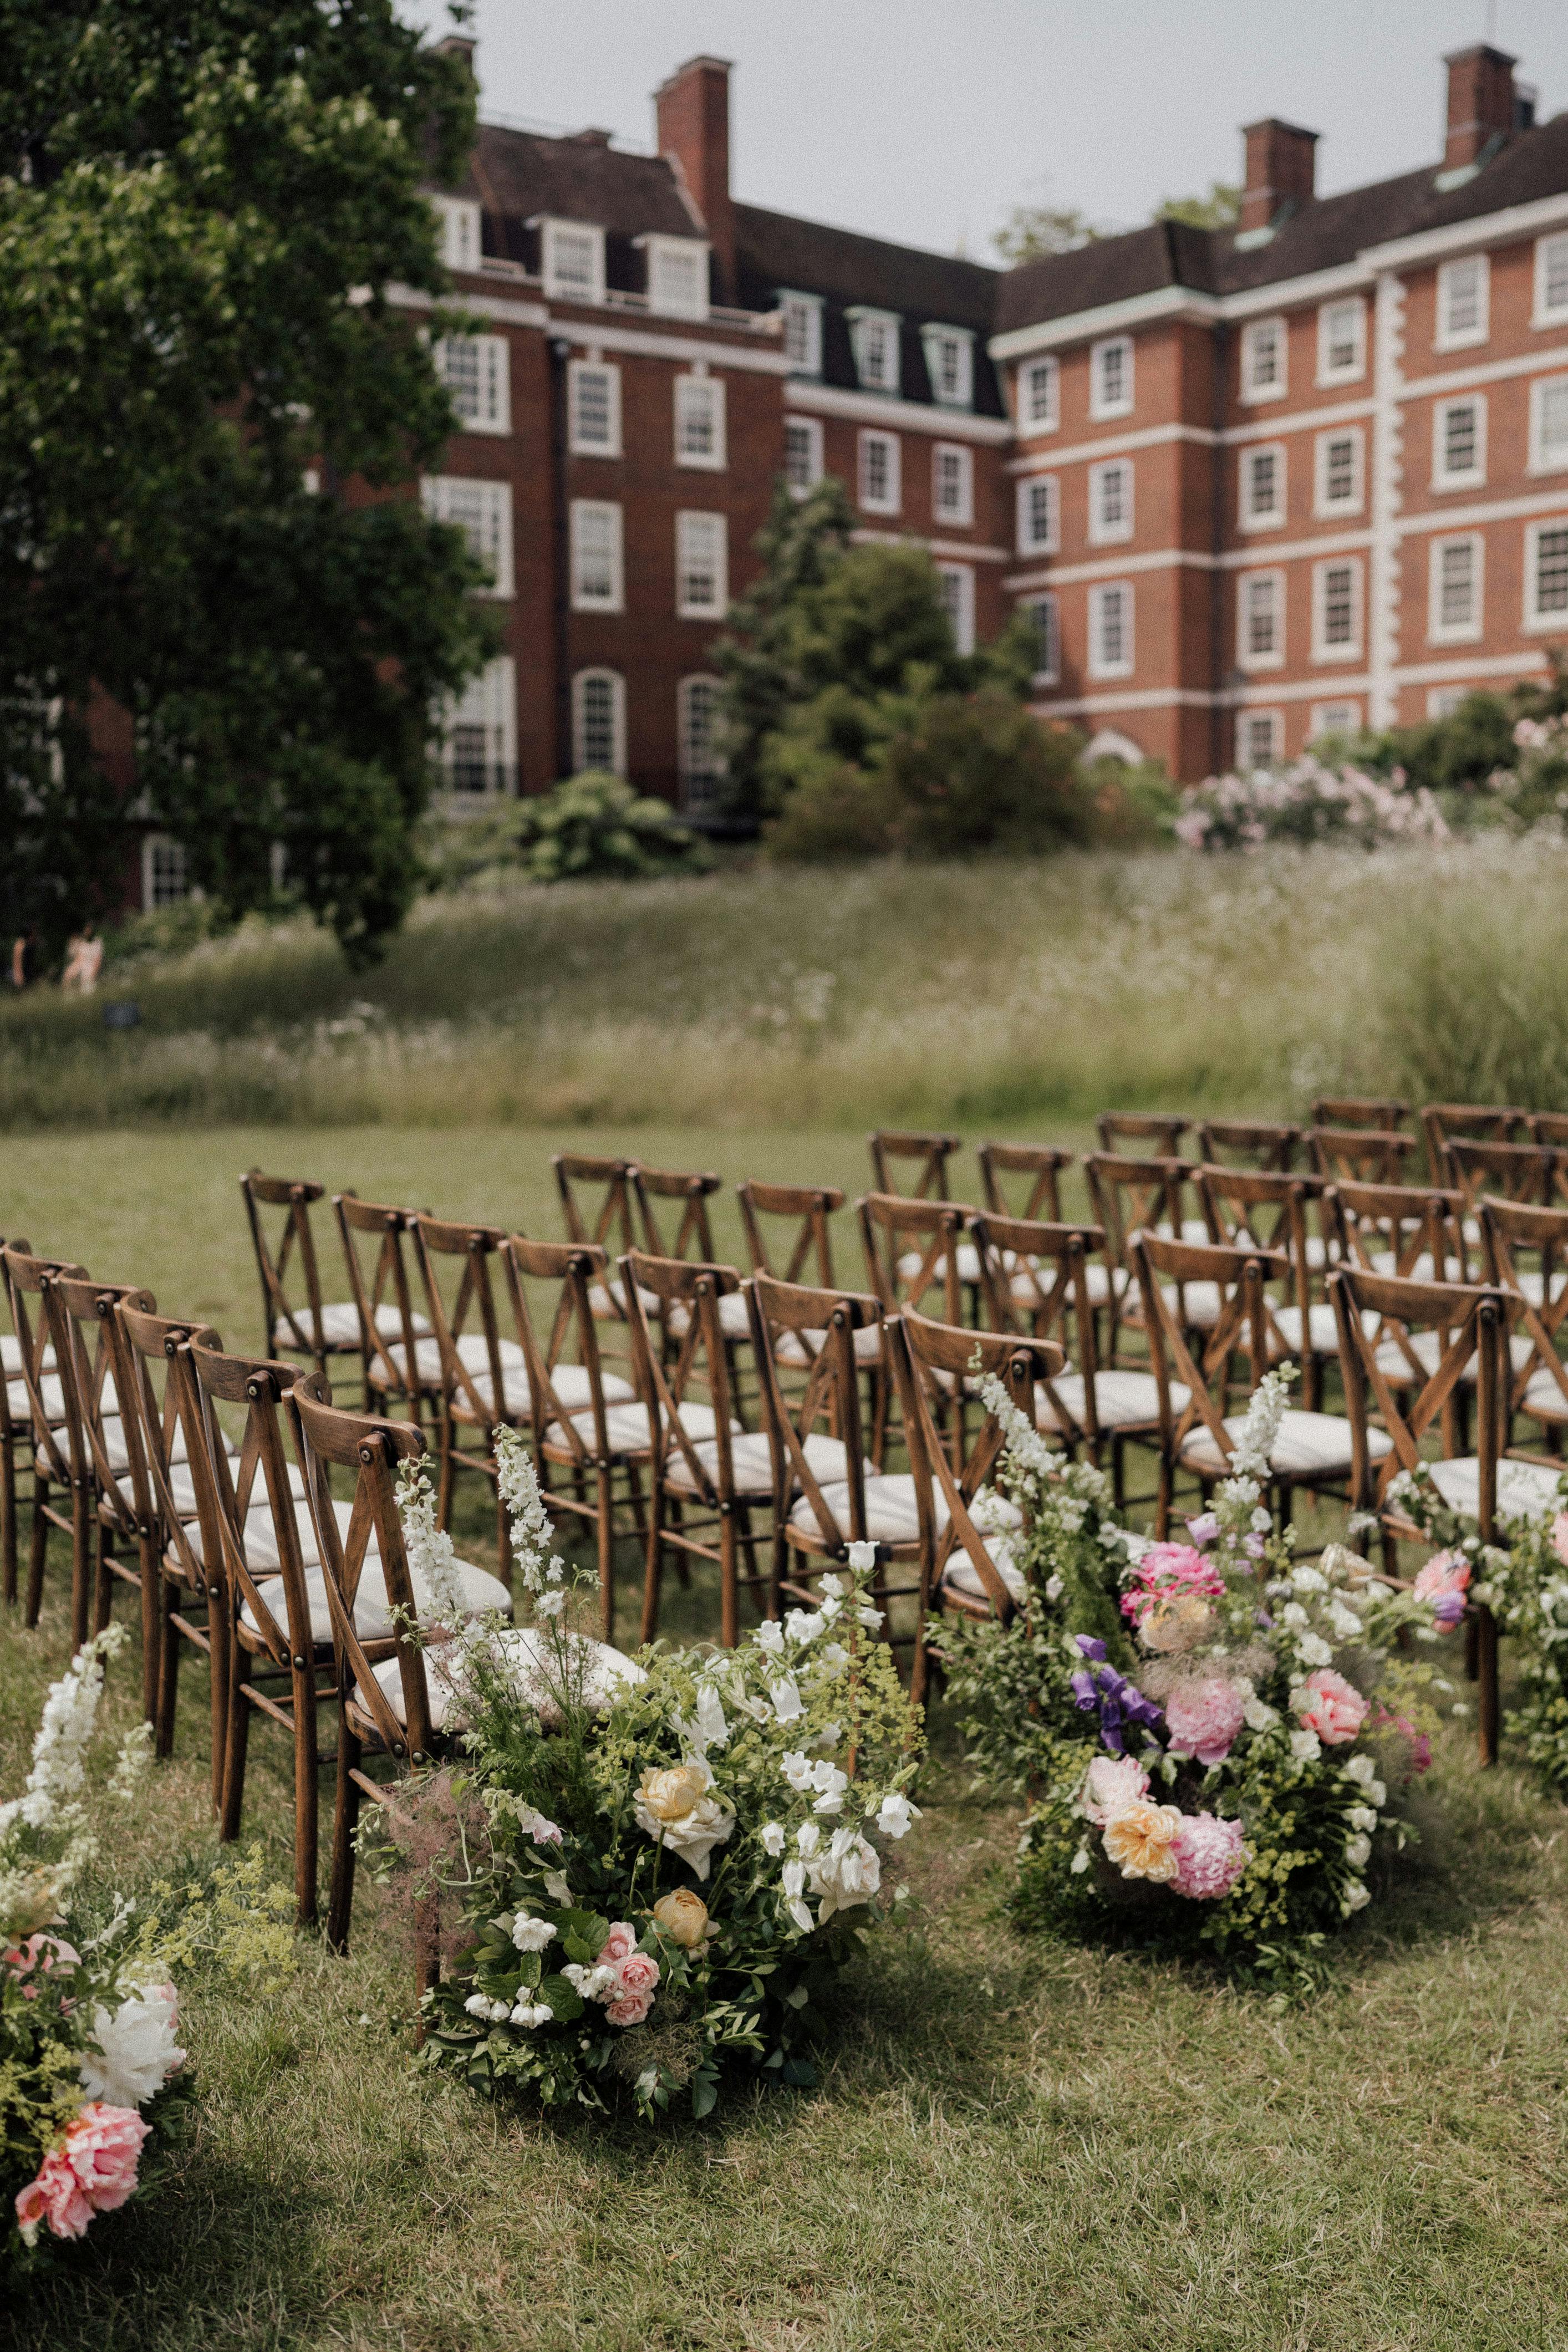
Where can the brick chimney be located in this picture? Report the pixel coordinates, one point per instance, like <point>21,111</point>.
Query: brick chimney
<point>1480,102</point>
<point>692,109</point>
<point>1279,168</point>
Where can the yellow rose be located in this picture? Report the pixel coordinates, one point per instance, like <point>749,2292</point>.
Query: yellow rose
<point>1139,1841</point>
<point>671,1795</point>
<point>683,1916</point>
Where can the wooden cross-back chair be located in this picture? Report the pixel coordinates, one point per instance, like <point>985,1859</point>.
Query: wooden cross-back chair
<point>1444,1123</point>
<point>1412,1231</point>
<point>1383,1112</point>
<point>483,1367</point>
<point>805,1208</point>
<point>1537,1299</point>
<point>596,1193</point>
<point>1511,1172</point>
<point>33,1404</point>
<point>16,1420</point>
<point>1036,1197</point>
<point>915,1251</point>
<point>1549,1128</point>
<point>1358,1155</point>
<point>401,1359</point>
<point>1121,1131</point>
<point>1270,1146</point>
<point>693,1241</point>
<point>930,1153</point>
<point>1128,1195</point>
<point>99,1446</point>
<point>1256,1208</point>
<point>291,1325</point>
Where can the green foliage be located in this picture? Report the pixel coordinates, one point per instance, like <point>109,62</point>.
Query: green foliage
<point>1135,807</point>
<point>1220,208</point>
<point>596,824</point>
<point>1474,760</point>
<point>1033,230</point>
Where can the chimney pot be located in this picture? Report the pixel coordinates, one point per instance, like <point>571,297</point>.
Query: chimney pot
<point>692,112</point>
<point>1280,167</point>
<point>1481,104</point>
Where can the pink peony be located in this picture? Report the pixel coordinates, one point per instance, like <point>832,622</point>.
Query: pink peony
<point>619,1944</point>
<point>93,2172</point>
<point>1333,1708</point>
<point>1560,1537</point>
<point>1211,1855</point>
<point>1204,1717</point>
<point>639,1975</point>
<point>42,1953</point>
<point>631,2009</point>
<point>1167,1572</point>
<point>1444,1582</point>
<point>1114,1783</point>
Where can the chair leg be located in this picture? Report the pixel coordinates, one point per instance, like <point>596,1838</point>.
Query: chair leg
<point>151,1631</point>
<point>728,1598</point>
<point>81,1564</point>
<point>103,1599</point>
<point>1487,1677</point>
<point>1162,1501</point>
<point>8,1521</point>
<point>237,1747</point>
<point>346,1820</point>
<point>306,1796</point>
<point>39,1550</point>
<point>219,1635</point>
<point>605,1530</point>
<point>653,1564</point>
<point>168,1665</point>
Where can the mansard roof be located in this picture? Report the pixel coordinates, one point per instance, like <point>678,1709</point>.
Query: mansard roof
<point>517,174</point>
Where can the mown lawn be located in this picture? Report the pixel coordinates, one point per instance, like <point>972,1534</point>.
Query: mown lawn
<point>1013,2144</point>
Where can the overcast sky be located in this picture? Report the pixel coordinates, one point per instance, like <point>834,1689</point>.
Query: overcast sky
<point>928,120</point>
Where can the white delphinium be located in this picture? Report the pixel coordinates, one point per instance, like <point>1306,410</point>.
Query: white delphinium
<point>133,1764</point>
<point>432,1561</point>
<point>1252,1452</point>
<point>70,1712</point>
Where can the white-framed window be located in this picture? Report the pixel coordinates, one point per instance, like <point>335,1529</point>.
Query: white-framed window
<point>460,238</point>
<point>599,721</point>
<point>1338,471</point>
<point>880,472</point>
<point>1111,629</point>
<point>1265,373</point>
<point>803,453</point>
<point>166,876</point>
<point>482,511</point>
<point>676,277</point>
<point>951,483</point>
<point>477,372</point>
<point>699,727</point>
<point>1110,378</point>
<point>1454,589</point>
<point>1046,614</point>
<point>572,261</point>
<point>802,338</point>
<point>1039,397</point>
<point>1110,502</point>
<point>874,339</point>
<point>1463,300</point>
<point>1039,514</point>
<point>1334,718</point>
<point>1336,610</point>
<point>1550,280</point>
<point>594,408</point>
<point>950,364</point>
<point>957,586</point>
<point>700,422</point>
<point>1442,701</point>
<point>1260,739</point>
<point>478,732</point>
<point>1341,341</point>
<point>1262,484</point>
<point>1548,424</point>
<point>598,567</point>
<point>1260,620</point>
<point>1546,574</point>
<point>701,566</point>
<point>1459,443</point>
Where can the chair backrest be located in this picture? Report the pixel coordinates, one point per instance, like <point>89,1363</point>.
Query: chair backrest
<point>1550,1127</point>
<point>1035,1280</point>
<point>1243,1327</point>
<point>697,1370</point>
<point>285,1322</point>
<point>566,1272</point>
<point>1263,1144</point>
<point>930,1358</point>
<point>1417,1225</point>
<point>1383,1112</point>
<point>462,1307</point>
<point>24,1278</point>
<point>1510,1230</point>
<point>1441,1123</point>
<point>930,1153</point>
<point>807,1207</point>
<point>1038,1166</point>
<point>1470,1323</point>
<point>1358,1155</point>
<point>80,1314</point>
<point>694,1234</point>
<point>160,1414</point>
<point>1127,1195</point>
<point>911,1249</point>
<point>1121,1131</point>
<point>1513,1171</point>
<point>823,1324</point>
<point>381,1231</point>
<point>1254,1208</point>
<point>260,1478</point>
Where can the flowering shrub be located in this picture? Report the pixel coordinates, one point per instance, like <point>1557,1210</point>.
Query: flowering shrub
<point>1308,801</point>
<point>668,1861</point>
<point>1193,1723</point>
<point>1534,788</point>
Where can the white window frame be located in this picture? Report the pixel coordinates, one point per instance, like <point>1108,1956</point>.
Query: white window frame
<point>489,702</point>
<point>1254,517</point>
<point>1101,409</point>
<point>575,371</point>
<point>1100,532</point>
<point>1321,649</point>
<point>659,254</point>
<point>807,308</point>
<point>493,363</point>
<point>935,337</point>
<point>715,529</point>
<point>152,844</point>
<point>1040,395</point>
<point>865,326</point>
<point>1323,507</point>
<point>1556,315</point>
<point>963,622</point>
<point>1448,338</point>
<point>1334,718</point>
<point>462,231</point>
<point>1534,618</point>
<point>712,777</point>
<point>1273,579</point>
<point>583,511</point>
<point>1442,701</point>
<point>1472,476</point>
<point>1049,672</point>
<point>1099,667</point>
<point>892,503</point>
<point>1030,542</point>
<point>551,235</point>
<point>688,389</point>
<point>1539,461</point>
<point>810,429</point>
<point>1456,633</point>
<point>616,765</point>
<point>1346,370</point>
<point>1246,717</point>
<point>960,514</point>
<point>1252,336</point>
<point>491,538</point>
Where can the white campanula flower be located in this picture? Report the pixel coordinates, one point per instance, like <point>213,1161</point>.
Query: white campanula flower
<point>799,1912</point>
<point>1294,1615</point>
<point>831,1784</point>
<point>1360,1768</point>
<point>870,1617</point>
<point>1362,1817</point>
<point>896,1815</point>
<point>1358,1852</point>
<point>772,1837</point>
<point>793,1878</point>
<point>531,1934</point>
<point>833,1653</point>
<point>808,1837</point>
<point>1354,1898</point>
<point>133,2051</point>
<point>829,1736</point>
<point>795,1766</point>
<point>1313,1650</point>
<point>784,1694</point>
<point>847,1874</point>
<point>832,1607</point>
<point>1053,1588</point>
<point>488,2013</point>
<point>770,1636</point>
<point>805,1624</point>
<point>862,1556</point>
<point>533,2013</point>
<point>831,1592</point>
<point>1306,1746</point>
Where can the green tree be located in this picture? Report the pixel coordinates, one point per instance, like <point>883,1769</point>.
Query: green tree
<point>1032,230</point>
<point>201,203</point>
<point>1220,208</point>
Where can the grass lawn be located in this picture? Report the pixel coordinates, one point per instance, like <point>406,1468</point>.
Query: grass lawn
<point>1015,2143</point>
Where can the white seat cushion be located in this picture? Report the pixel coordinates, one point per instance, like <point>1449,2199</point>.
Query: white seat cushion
<point>472,1354</point>
<point>891,1513</point>
<point>791,1346</point>
<point>1387,1262</point>
<point>120,1460</point>
<point>627,1430</point>
<point>482,1595</point>
<point>183,1491</point>
<point>609,1671</point>
<point>1197,1303</point>
<point>12,1359</point>
<point>340,1325</point>
<point>966,1256</point>
<point>611,1308</point>
<point>1525,1490</point>
<point>1121,1399</point>
<point>961,1576</point>
<point>573,1390</point>
<point>1428,1348</point>
<point>1323,1332</point>
<point>1544,1398</point>
<point>1309,1444</point>
<point>750,1458</point>
<point>52,1395</point>
<point>1105,1282</point>
<point>734,1323</point>
<point>1531,1287</point>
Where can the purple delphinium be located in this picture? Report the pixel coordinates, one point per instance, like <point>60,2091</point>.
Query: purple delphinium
<point>1204,1528</point>
<point>1119,1702</point>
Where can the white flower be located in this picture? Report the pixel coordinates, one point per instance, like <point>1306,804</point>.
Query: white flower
<point>805,1624</point>
<point>1344,1621</point>
<point>1079,1862</point>
<point>1305,1745</point>
<point>531,1934</point>
<point>831,1784</point>
<point>133,1764</point>
<point>793,1878</point>
<point>869,1618</point>
<point>1360,1768</point>
<point>549,1604</point>
<point>1313,1650</point>
<point>70,1710</point>
<point>535,1826</point>
<point>862,1556</point>
<point>787,1702</point>
<point>533,2013</point>
<point>1053,1588</point>
<point>712,1728</point>
<point>1362,1817</point>
<point>831,1590</point>
<point>708,1821</point>
<point>796,1768</point>
<point>1294,1615</point>
<point>1358,1852</point>
<point>134,2051</point>
<point>1308,1579</point>
<point>590,1981</point>
<point>1354,1898</point>
<point>833,1653</point>
<point>770,1636</point>
<point>1376,1794</point>
<point>488,2013</point>
<point>800,1913</point>
<point>1257,1714</point>
<point>1262,1521</point>
<point>896,1815</point>
<point>848,1874</point>
<point>772,1837</point>
<point>807,1838</point>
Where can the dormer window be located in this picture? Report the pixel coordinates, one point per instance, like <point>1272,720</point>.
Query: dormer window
<point>572,261</point>
<point>676,277</point>
<point>458,218</point>
<point>874,334</point>
<point>801,316</point>
<point>950,364</point>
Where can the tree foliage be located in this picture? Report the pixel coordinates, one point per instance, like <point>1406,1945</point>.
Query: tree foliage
<point>1033,230</point>
<point>201,203</point>
<point>1220,208</point>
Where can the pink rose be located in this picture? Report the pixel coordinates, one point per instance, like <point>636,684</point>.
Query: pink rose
<point>1114,1783</point>
<point>93,2172</point>
<point>1211,1855</point>
<point>1560,1537</point>
<point>640,1974</point>
<point>43,1953</point>
<point>619,1944</point>
<point>1204,1717</point>
<point>631,2009</point>
<point>1334,1709</point>
<point>1167,1572</point>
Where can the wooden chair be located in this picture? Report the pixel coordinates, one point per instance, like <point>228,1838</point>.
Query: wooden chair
<point>401,1357</point>
<point>1250,1208</point>
<point>1040,1165</point>
<point>1126,1196</point>
<point>1550,1128</point>
<point>1442,1123</point>
<point>1270,1146</point>
<point>1412,1231</point>
<point>31,1395</point>
<point>603,1223</point>
<point>1120,1128</point>
<point>1510,1172</point>
<point>913,1249</point>
<point>693,1241</point>
<point>483,1374</point>
<point>931,1154</point>
<point>15,1425</point>
<point>1383,1113</point>
<point>1538,1300</point>
<point>305,1328</point>
<point>95,1445</point>
<point>1358,1155</point>
<point>805,1208</point>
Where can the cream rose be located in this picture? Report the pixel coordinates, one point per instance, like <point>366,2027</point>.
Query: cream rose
<point>674,1808</point>
<point>1140,1840</point>
<point>683,1916</point>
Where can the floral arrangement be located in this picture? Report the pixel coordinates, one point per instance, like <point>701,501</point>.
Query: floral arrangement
<point>88,2055</point>
<point>1308,801</point>
<point>659,1866</point>
<point>1212,1733</point>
